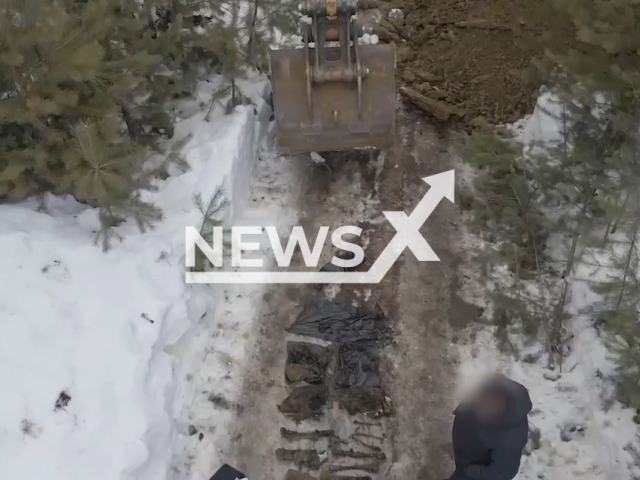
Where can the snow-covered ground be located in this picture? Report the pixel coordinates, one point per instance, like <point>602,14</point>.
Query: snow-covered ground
<point>215,356</point>
<point>88,366</point>
<point>114,369</point>
<point>583,428</point>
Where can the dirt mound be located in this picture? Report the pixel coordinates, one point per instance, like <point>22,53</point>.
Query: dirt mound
<point>463,59</point>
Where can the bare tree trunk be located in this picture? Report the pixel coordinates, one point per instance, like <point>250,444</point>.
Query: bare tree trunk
<point>612,226</point>
<point>252,32</point>
<point>133,127</point>
<point>234,54</point>
<point>632,248</point>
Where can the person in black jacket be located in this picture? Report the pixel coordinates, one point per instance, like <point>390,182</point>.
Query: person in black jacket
<point>490,431</point>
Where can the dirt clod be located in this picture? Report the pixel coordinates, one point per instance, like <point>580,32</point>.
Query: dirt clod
<point>219,401</point>
<point>404,54</point>
<point>386,35</point>
<point>29,428</point>
<point>408,76</point>
<point>483,25</point>
<point>476,53</point>
<point>63,400</point>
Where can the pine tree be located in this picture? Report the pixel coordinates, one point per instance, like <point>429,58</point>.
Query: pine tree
<point>264,23</point>
<point>619,261</point>
<point>584,187</point>
<point>505,215</point>
<point>524,204</point>
<point>85,88</point>
<point>632,448</point>
<point>604,63</point>
<point>64,79</point>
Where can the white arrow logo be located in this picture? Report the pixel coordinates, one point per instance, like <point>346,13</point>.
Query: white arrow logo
<point>407,235</point>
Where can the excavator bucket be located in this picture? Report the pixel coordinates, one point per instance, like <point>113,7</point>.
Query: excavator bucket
<point>333,93</point>
<point>332,119</point>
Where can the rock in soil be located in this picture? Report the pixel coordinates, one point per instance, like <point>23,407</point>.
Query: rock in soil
<point>396,14</point>
<point>302,458</point>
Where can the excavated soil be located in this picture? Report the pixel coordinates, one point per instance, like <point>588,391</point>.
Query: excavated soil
<point>471,59</point>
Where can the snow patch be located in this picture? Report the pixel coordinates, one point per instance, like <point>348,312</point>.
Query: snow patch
<point>101,328</point>
<point>216,355</point>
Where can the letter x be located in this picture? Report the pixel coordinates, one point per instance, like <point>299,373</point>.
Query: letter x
<point>409,235</point>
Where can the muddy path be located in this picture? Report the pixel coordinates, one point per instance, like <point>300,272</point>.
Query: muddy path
<point>421,299</point>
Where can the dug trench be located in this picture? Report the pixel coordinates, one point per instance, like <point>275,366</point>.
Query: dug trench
<point>460,64</point>
<point>294,421</point>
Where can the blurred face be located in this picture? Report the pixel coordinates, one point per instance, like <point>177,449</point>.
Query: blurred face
<point>488,406</point>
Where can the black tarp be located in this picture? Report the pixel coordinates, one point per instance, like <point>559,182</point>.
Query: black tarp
<point>353,377</point>
<point>339,321</point>
<point>356,365</point>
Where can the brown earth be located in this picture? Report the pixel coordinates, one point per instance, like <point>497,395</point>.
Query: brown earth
<point>471,56</point>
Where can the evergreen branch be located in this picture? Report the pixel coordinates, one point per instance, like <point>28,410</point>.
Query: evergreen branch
<point>210,218</point>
